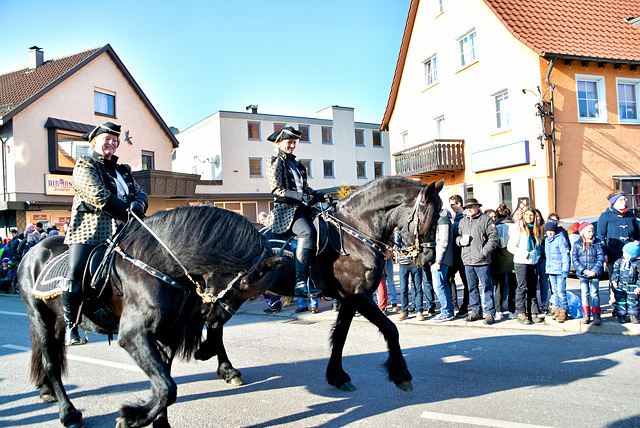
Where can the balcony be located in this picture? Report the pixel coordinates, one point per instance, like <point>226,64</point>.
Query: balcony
<point>431,158</point>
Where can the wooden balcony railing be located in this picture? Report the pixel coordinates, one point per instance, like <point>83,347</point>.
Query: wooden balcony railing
<point>430,158</point>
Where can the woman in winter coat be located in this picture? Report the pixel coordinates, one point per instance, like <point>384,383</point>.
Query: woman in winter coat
<point>525,238</point>
<point>557,267</point>
<point>587,256</point>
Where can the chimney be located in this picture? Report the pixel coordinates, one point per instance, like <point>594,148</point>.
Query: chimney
<point>252,108</point>
<point>36,57</point>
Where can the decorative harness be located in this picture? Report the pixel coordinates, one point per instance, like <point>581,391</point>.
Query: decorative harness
<point>200,288</point>
<point>410,252</point>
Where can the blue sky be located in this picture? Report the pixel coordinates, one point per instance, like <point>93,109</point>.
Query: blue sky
<point>193,58</point>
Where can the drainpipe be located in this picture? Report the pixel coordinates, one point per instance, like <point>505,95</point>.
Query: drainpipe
<point>553,136</point>
<point>4,169</point>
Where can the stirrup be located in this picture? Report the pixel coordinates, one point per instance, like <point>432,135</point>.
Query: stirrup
<point>304,289</point>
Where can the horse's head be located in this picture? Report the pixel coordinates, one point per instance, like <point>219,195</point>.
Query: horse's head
<point>225,293</point>
<point>425,216</point>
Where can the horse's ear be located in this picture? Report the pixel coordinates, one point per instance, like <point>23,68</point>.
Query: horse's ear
<point>439,186</point>
<point>428,191</point>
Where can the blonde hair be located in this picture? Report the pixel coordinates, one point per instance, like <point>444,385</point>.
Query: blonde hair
<point>538,230</point>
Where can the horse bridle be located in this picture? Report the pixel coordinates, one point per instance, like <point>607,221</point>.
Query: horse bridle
<point>200,288</point>
<point>381,247</point>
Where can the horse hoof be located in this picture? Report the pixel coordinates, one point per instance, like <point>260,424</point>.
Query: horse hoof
<point>121,423</point>
<point>347,386</point>
<point>48,398</point>
<point>405,386</point>
<point>236,381</point>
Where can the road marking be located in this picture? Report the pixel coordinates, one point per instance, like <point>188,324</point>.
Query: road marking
<point>12,313</point>
<point>476,421</point>
<point>129,367</point>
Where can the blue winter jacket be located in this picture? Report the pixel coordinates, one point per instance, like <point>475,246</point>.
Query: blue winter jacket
<point>625,275</point>
<point>590,259</point>
<point>558,258</point>
<point>615,230</point>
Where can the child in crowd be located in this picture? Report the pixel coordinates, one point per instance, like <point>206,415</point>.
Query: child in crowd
<point>557,267</point>
<point>624,280</point>
<point>587,257</point>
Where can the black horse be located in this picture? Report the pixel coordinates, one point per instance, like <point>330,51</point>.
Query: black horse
<point>157,319</point>
<point>371,213</point>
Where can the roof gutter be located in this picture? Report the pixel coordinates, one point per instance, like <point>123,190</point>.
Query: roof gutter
<point>554,178</point>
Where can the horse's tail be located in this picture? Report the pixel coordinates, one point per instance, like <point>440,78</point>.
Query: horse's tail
<point>37,373</point>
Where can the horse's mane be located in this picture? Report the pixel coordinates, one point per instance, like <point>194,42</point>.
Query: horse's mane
<point>205,239</point>
<point>382,188</point>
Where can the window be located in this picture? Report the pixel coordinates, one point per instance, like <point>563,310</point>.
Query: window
<point>405,139</point>
<point>430,71</point>
<point>468,49</point>
<point>378,169</point>
<point>278,126</point>
<point>439,126</point>
<point>68,149</point>
<point>361,169</point>
<point>502,110</point>
<point>628,100</point>
<point>307,166</point>
<point>327,137</point>
<point>247,209</point>
<point>104,104</point>
<point>304,138</point>
<point>255,167</point>
<point>328,168</point>
<point>505,194</point>
<point>147,160</point>
<point>359,137</point>
<point>630,185</point>
<point>592,106</point>
<point>253,130</point>
<point>377,139</point>
<point>468,191</point>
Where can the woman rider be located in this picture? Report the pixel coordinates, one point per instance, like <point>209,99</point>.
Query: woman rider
<point>288,183</point>
<point>104,192</point>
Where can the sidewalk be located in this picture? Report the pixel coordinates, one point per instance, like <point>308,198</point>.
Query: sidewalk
<point>609,324</point>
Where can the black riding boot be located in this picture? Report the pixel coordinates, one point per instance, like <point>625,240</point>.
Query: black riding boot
<point>71,300</point>
<point>303,284</point>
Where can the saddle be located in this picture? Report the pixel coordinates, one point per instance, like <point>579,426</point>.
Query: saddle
<point>284,245</point>
<point>95,275</point>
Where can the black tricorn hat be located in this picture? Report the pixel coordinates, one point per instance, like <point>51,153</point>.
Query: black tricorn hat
<point>107,127</point>
<point>472,201</point>
<point>285,133</point>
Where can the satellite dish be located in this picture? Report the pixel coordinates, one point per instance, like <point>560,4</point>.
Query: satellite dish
<point>216,161</point>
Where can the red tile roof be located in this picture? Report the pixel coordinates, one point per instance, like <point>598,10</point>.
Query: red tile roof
<point>589,29</point>
<point>594,30</point>
<point>18,86</point>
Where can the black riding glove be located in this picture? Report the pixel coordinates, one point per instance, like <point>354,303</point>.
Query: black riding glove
<point>308,199</point>
<point>137,208</point>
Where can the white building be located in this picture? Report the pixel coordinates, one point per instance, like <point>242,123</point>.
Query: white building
<point>230,150</point>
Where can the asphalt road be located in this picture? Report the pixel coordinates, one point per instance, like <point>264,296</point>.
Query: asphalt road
<point>463,377</point>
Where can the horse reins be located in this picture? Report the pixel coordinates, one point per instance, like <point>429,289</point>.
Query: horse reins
<point>200,289</point>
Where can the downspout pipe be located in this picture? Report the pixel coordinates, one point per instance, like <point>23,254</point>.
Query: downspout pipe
<point>554,179</point>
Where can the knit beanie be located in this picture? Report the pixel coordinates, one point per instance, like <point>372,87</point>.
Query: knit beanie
<point>632,249</point>
<point>551,225</point>
<point>584,226</point>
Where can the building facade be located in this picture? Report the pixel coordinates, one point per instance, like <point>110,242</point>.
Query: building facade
<point>230,150</point>
<point>46,108</point>
<point>517,102</point>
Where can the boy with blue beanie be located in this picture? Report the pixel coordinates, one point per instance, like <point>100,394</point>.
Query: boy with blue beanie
<point>624,280</point>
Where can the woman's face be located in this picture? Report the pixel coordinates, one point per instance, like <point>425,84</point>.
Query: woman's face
<point>288,145</point>
<point>105,144</point>
<point>529,217</point>
<point>621,203</point>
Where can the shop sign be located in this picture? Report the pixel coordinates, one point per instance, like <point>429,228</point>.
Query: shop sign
<point>56,184</point>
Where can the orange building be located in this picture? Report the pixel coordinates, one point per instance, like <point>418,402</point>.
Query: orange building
<point>520,101</point>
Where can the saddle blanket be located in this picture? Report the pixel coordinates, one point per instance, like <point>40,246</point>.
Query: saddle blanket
<point>47,284</point>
